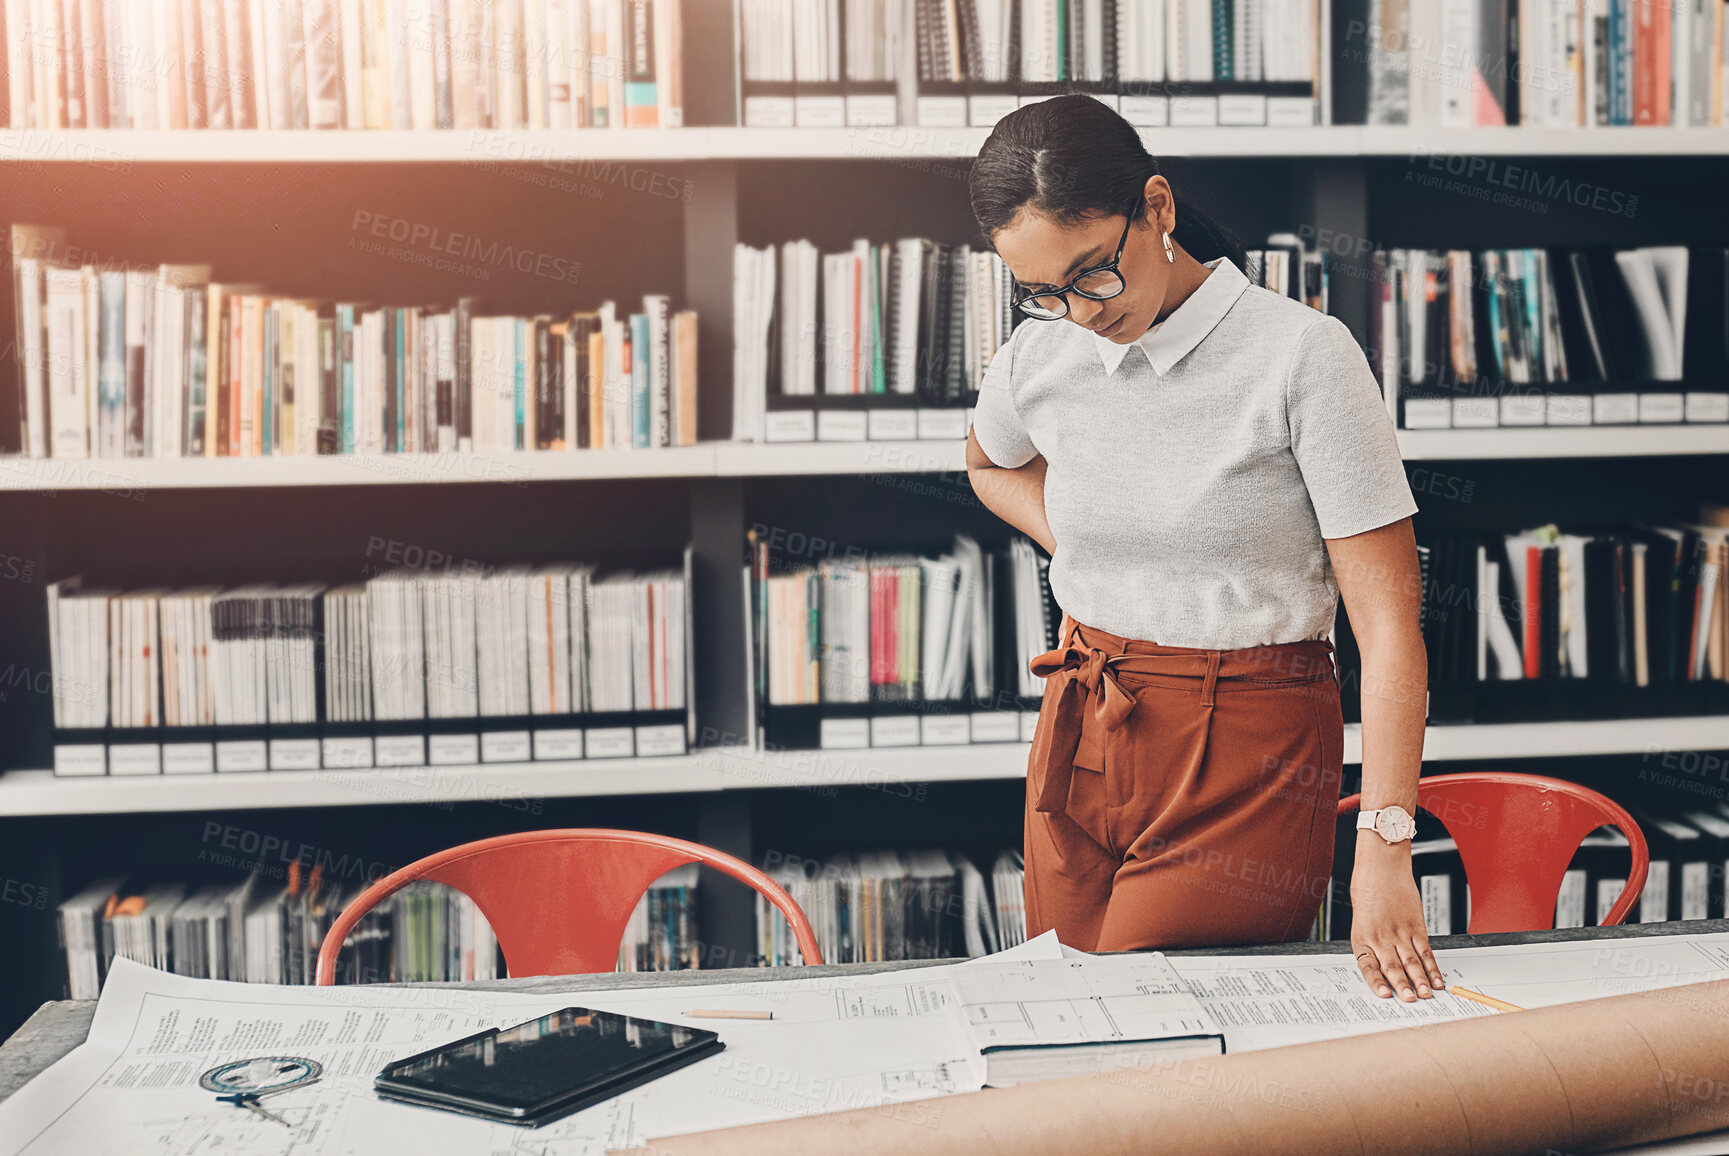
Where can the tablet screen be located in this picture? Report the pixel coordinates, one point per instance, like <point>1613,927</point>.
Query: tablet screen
<point>545,1059</point>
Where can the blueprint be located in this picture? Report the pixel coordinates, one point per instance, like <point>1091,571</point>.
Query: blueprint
<point>833,1044</point>
<point>893,1040</point>
<point>1072,1001</point>
<point>1267,1001</point>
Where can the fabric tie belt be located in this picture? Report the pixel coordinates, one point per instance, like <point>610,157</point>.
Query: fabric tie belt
<point>1092,703</point>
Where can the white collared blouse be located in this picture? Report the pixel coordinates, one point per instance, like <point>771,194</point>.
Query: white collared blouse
<point>1194,473</point>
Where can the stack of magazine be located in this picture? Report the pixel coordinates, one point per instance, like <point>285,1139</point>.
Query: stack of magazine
<point>662,934</point>
<point>845,652</point>
<point>1550,623</point>
<point>1531,337</point>
<point>1541,63</point>
<point>477,662</point>
<point>891,905</point>
<point>881,342</point>
<point>1291,269</point>
<point>920,904</point>
<point>269,926</point>
<point>121,361</point>
<point>1185,63</point>
<point>268,929</point>
<point>822,63</point>
<point>336,64</point>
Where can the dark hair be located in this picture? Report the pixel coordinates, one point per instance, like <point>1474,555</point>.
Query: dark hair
<point>1070,158</point>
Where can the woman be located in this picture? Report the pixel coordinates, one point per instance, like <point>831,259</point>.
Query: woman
<point>1206,498</point>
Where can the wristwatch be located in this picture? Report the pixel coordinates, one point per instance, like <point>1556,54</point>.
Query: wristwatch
<point>1394,824</point>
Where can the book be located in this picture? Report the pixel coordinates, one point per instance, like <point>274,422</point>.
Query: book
<point>176,363</point>
<point>636,353</point>
<point>33,251</point>
<point>641,96</point>
<point>682,371</point>
<point>1620,621</point>
<point>894,628</point>
<point>343,64</point>
<point>1656,279</point>
<point>1533,337</point>
<point>65,352</point>
<point>657,353</point>
<point>183,665</point>
<point>1544,63</point>
<point>892,905</point>
<point>260,930</point>
<point>1046,1019</point>
<point>880,331</point>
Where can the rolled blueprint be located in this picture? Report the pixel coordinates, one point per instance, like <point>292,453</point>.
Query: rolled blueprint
<point>1575,1077</point>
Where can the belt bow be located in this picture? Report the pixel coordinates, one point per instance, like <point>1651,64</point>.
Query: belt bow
<point>1090,691</point>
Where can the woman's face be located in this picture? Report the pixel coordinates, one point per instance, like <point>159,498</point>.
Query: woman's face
<point>1045,254</point>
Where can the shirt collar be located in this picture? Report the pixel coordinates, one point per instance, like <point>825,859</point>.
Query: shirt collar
<point>1171,340</point>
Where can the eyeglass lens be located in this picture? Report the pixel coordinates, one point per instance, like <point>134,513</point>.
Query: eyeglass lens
<point>1100,284</point>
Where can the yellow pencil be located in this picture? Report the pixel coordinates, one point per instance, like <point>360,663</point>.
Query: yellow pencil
<point>1485,1000</point>
<point>728,1014</point>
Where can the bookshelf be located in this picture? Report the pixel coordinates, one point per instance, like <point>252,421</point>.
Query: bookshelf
<point>1537,444</point>
<point>744,460</point>
<point>509,468</point>
<point>122,147</point>
<point>221,196</point>
<point>724,769</point>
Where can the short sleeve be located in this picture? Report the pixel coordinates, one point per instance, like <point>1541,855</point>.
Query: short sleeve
<point>1342,436</point>
<point>996,422</point>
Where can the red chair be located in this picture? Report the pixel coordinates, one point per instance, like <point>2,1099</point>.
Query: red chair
<point>1516,834</point>
<point>559,900</point>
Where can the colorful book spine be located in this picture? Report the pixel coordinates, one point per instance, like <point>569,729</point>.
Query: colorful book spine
<point>641,99</point>
<point>464,373</point>
<point>641,429</point>
<point>400,382</point>
<point>660,385</point>
<point>345,379</point>
<point>271,383</point>
<point>111,408</point>
<point>197,372</point>
<point>1620,62</point>
<point>519,346</point>
<point>1223,40</point>
<point>594,382</point>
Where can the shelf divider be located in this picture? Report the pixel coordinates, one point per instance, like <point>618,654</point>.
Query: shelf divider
<point>120,149</point>
<point>740,772</point>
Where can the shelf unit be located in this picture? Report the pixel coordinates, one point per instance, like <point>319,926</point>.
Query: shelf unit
<point>276,207</point>
<point>718,769</point>
<point>747,460</point>
<point>120,147</point>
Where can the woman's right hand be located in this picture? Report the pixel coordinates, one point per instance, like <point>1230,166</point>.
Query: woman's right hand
<point>1016,496</point>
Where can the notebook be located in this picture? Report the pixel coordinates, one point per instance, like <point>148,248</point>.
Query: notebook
<point>1048,1018</point>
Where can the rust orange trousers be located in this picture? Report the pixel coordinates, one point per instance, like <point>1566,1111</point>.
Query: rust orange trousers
<point>1180,797</point>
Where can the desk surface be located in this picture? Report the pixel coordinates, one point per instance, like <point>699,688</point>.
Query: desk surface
<point>61,1025</point>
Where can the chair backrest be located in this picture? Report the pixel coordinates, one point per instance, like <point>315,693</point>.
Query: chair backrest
<point>558,900</point>
<point>1516,834</point>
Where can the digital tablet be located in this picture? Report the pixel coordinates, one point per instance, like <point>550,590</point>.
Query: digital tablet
<point>545,1068</point>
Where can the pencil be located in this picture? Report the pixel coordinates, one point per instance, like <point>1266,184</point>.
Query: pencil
<point>708,1013</point>
<point>1485,1000</point>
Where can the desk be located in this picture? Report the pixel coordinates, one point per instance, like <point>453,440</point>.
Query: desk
<point>61,1025</point>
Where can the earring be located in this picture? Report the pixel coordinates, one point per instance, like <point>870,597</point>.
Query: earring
<point>1170,254</point>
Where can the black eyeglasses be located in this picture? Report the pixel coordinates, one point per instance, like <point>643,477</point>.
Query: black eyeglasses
<point>1100,283</point>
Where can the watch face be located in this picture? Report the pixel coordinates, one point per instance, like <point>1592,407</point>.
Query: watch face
<point>1394,824</point>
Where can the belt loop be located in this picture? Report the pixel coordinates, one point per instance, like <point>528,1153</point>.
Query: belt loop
<point>1212,678</point>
